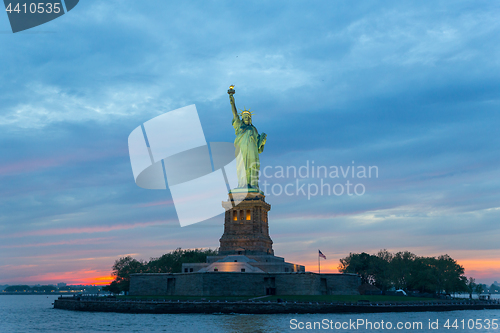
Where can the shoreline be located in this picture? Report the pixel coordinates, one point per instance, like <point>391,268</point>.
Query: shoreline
<point>158,306</point>
<point>41,294</point>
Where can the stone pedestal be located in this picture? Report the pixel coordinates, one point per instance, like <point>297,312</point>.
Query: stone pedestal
<point>245,246</point>
<point>246,229</point>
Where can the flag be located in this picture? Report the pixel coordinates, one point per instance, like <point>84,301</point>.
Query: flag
<point>321,254</point>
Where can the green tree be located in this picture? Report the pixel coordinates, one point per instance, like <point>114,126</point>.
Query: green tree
<point>122,269</point>
<point>479,288</point>
<point>471,286</point>
<point>167,263</point>
<point>401,266</point>
<point>404,270</point>
<point>172,262</point>
<point>436,275</point>
<point>113,288</point>
<point>383,270</point>
<point>449,275</point>
<point>423,277</point>
<point>362,264</point>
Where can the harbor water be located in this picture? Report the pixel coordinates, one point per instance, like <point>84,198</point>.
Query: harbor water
<point>35,313</point>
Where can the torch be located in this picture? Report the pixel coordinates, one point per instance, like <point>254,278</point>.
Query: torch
<point>231,90</point>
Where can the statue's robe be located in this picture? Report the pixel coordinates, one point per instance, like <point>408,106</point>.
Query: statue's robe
<point>248,146</point>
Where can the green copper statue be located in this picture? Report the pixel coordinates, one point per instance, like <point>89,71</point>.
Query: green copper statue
<point>249,144</point>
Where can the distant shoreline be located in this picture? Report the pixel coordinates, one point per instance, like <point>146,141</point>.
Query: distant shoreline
<point>44,294</point>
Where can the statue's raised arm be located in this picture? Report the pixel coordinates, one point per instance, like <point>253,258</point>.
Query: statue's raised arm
<point>231,100</point>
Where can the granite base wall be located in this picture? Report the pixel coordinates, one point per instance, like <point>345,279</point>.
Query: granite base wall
<point>158,306</point>
<point>243,284</point>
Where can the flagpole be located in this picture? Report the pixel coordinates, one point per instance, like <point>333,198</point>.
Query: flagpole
<point>319,265</point>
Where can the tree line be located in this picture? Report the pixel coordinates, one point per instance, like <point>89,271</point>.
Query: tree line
<point>409,272</point>
<point>168,263</point>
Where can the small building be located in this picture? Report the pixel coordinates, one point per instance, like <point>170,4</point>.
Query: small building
<point>243,264</point>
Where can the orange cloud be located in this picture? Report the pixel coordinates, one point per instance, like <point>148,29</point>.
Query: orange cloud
<point>98,281</point>
<point>327,266</point>
<point>85,277</point>
<point>480,264</point>
<point>482,269</point>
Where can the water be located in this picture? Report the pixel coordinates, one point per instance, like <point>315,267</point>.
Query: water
<point>20,313</point>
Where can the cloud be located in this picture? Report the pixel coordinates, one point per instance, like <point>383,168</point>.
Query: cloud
<point>85,230</point>
<point>66,242</point>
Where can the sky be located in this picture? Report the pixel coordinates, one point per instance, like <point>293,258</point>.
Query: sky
<point>410,88</point>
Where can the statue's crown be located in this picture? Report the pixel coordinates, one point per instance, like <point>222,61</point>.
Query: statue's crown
<point>246,111</point>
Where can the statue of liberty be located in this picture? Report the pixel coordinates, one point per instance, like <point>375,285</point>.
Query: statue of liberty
<point>249,144</point>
